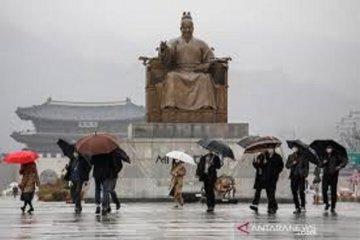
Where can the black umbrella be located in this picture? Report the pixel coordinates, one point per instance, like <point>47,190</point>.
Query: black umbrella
<point>307,152</point>
<point>320,147</point>
<point>253,144</point>
<point>67,148</point>
<point>118,153</point>
<point>217,147</point>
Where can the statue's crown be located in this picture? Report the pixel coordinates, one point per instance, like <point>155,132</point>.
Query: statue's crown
<point>186,16</point>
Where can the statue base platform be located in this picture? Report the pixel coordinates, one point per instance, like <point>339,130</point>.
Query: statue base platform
<point>181,116</point>
<point>188,130</point>
<point>147,178</point>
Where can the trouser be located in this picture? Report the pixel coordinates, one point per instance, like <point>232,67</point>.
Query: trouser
<point>297,185</point>
<point>178,194</point>
<point>107,187</point>
<point>330,181</point>
<point>112,192</point>
<point>97,191</point>
<point>27,198</point>
<point>77,193</point>
<point>209,185</point>
<point>270,194</point>
<point>72,191</point>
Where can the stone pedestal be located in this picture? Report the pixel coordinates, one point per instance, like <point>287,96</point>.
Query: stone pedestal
<point>148,177</point>
<point>188,130</point>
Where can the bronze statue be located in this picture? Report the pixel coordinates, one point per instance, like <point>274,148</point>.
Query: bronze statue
<point>188,85</point>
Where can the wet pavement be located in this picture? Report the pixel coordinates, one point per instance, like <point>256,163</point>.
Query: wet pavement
<point>161,221</point>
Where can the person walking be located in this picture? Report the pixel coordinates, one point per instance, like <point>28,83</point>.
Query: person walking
<point>79,175</point>
<point>299,170</point>
<point>177,172</point>
<point>105,180</point>
<point>268,167</point>
<point>116,166</point>
<point>207,173</point>
<point>332,163</point>
<point>30,179</point>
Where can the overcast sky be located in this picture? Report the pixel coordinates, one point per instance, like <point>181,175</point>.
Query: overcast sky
<point>295,68</point>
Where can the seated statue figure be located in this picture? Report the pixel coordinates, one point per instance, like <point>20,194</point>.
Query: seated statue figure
<point>188,85</point>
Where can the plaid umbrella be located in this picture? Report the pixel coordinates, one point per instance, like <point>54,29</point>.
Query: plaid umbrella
<point>217,147</point>
<point>254,144</point>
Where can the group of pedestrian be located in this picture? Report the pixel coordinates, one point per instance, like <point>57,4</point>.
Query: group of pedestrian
<point>106,168</point>
<point>269,164</point>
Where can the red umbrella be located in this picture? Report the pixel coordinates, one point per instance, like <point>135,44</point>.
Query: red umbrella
<point>21,157</point>
<point>97,143</point>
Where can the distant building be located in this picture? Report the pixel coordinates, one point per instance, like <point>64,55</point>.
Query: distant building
<point>71,120</point>
<point>348,130</point>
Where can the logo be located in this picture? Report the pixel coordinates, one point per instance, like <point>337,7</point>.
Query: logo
<point>297,229</point>
<point>244,228</point>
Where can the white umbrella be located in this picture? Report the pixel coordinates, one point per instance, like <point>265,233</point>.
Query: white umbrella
<point>186,158</point>
<point>13,184</point>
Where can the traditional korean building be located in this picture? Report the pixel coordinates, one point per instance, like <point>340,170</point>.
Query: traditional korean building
<point>71,120</point>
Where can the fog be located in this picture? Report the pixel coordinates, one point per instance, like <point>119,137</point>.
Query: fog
<point>295,69</point>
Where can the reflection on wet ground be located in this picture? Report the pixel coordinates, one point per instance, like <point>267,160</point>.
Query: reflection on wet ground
<point>161,221</point>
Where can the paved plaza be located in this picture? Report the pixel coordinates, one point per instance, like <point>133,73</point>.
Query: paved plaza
<point>161,221</point>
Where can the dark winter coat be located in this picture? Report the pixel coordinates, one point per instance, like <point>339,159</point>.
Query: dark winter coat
<point>301,167</point>
<point>118,156</point>
<point>103,167</point>
<point>79,169</point>
<point>331,162</point>
<point>212,169</point>
<point>268,169</point>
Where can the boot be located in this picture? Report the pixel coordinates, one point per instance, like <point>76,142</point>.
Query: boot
<point>104,212</point>
<point>327,206</point>
<point>30,210</point>
<point>297,211</point>
<point>98,210</point>
<point>254,208</point>
<point>303,209</point>
<point>118,205</point>
<point>210,210</point>
<point>271,211</point>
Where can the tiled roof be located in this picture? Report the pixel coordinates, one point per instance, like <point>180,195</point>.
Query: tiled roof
<point>82,111</point>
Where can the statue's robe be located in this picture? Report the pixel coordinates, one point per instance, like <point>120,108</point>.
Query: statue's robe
<point>183,88</point>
